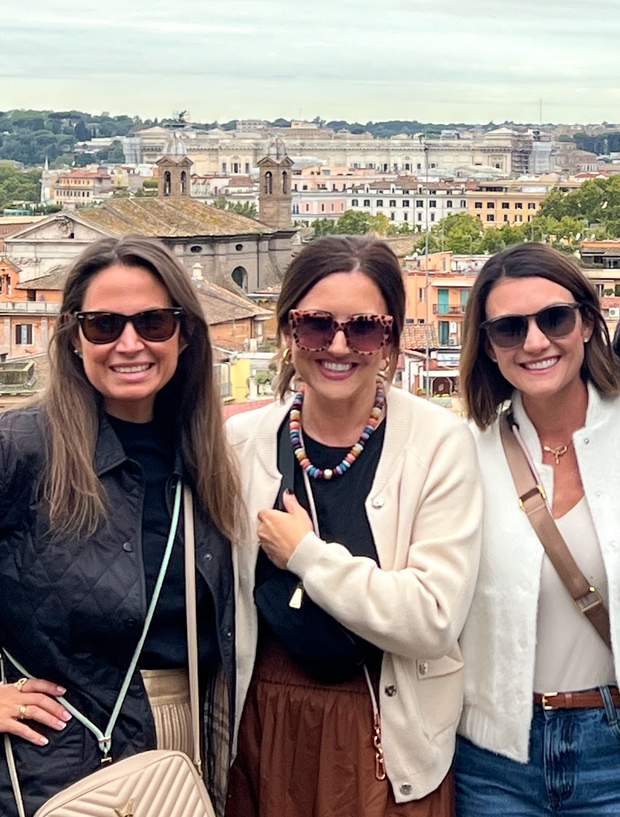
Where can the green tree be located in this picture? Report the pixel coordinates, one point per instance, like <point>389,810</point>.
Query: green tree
<point>324,226</point>
<point>353,222</point>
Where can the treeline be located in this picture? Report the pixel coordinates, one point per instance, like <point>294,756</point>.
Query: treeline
<point>29,136</point>
<point>601,145</point>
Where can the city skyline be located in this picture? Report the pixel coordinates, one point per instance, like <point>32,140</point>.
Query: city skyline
<point>431,60</point>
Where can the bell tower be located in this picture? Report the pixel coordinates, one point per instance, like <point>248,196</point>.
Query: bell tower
<point>275,197</point>
<point>174,168</point>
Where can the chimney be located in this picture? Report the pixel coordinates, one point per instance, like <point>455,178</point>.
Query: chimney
<point>197,272</point>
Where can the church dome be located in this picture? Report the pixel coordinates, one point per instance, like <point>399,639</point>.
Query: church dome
<point>276,149</point>
<point>174,145</point>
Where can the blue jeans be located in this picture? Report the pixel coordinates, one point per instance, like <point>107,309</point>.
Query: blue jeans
<point>574,769</point>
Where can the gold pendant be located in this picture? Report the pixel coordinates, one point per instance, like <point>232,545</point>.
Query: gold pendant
<point>556,452</point>
<point>297,597</point>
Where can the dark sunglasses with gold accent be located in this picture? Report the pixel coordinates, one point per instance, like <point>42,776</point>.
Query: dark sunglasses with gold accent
<point>509,331</point>
<point>154,325</point>
<point>314,330</point>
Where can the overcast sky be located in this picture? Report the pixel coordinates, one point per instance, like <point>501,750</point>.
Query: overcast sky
<point>431,60</point>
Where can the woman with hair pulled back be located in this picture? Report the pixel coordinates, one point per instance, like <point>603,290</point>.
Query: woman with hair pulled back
<point>88,482</point>
<point>540,733</point>
<point>365,508</point>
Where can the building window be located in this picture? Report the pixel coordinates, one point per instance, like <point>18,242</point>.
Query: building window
<point>449,204</point>
<point>379,202</point>
<point>478,205</point>
<point>505,205</point>
<point>167,183</point>
<point>420,293</point>
<point>529,218</point>
<point>419,216</point>
<point>405,216</point>
<point>490,205</point>
<point>432,216</point>
<point>406,203</point>
<point>490,217</point>
<point>223,167</point>
<point>322,208</point>
<point>519,205</point>
<point>307,208</point>
<point>506,219</point>
<point>432,204</point>
<point>247,168</point>
<point>518,219</point>
<point>355,203</point>
<point>463,203</point>
<point>285,183</point>
<point>332,208</point>
<point>419,203</point>
<point>392,202</point>
<point>268,188</point>
<point>23,334</point>
<point>366,202</point>
<point>531,206</point>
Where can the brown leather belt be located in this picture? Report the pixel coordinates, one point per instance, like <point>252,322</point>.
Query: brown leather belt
<point>575,700</point>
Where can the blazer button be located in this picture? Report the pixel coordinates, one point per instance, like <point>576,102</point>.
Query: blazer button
<point>390,690</point>
<point>127,547</point>
<point>377,502</point>
<point>423,668</point>
<point>405,788</point>
<point>208,557</point>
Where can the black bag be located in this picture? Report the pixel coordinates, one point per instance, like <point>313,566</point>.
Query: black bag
<point>325,649</point>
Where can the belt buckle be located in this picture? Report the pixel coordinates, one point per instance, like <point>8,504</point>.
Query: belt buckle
<point>545,705</point>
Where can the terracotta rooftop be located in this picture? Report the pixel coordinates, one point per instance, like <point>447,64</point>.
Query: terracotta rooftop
<point>169,218</point>
<point>415,336</point>
<point>53,280</point>
<point>222,306</point>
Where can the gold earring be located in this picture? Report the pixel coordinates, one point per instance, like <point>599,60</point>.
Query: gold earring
<point>287,357</point>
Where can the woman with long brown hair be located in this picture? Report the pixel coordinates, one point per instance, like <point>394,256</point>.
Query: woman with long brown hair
<point>367,505</point>
<point>88,476</point>
<point>540,734</point>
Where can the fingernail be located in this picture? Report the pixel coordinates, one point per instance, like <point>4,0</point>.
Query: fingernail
<point>43,741</point>
<point>66,716</point>
<point>288,492</point>
<point>61,725</point>
<point>60,690</point>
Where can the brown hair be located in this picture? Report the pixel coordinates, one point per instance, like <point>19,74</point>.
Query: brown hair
<point>190,400</point>
<point>483,386</point>
<point>326,256</point>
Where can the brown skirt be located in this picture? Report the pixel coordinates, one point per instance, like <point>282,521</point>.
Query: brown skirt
<point>305,750</point>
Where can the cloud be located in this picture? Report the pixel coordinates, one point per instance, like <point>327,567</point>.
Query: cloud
<point>357,59</point>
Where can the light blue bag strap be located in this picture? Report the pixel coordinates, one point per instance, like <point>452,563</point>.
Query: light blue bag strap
<point>105,740</point>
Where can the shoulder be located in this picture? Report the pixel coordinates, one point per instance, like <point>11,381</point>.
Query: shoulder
<point>23,429</point>
<point>422,420</point>
<point>245,425</point>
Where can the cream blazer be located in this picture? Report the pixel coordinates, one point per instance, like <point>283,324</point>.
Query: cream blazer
<point>424,510</point>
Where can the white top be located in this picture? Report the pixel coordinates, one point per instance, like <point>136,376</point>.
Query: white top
<point>570,654</point>
<point>424,510</point>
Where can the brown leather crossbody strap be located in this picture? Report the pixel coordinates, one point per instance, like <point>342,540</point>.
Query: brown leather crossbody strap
<point>533,500</point>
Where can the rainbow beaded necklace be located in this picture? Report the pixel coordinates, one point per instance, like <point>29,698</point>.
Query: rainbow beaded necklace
<point>356,450</point>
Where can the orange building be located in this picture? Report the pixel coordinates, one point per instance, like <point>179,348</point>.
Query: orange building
<point>440,298</point>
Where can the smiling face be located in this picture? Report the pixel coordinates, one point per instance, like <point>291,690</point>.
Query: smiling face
<point>540,367</point>
<point>338,373</point>
<point>130,371</point>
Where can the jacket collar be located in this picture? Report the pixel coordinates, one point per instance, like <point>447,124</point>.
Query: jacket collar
<point>595,414</point>
<point>109,453</point>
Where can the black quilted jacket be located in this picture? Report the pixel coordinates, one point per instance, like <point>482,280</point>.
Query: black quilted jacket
<point>71,611</point>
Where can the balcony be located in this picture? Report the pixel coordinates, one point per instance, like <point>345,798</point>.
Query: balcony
<point>440,309</point>
<point>32,307</point>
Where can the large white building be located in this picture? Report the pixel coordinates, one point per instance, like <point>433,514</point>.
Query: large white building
<point>238,152</point>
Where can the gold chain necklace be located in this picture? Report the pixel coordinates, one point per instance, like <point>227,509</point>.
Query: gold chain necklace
<point>557,452</point>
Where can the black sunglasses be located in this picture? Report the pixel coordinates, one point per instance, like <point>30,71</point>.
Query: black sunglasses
<point>314,330</point>
<point>154,325</point>
<point>554,321</point>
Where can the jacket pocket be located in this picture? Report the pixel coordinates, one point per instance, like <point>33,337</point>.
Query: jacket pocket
<point>439,690</point>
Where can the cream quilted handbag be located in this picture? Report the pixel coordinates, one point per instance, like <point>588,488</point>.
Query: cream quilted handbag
<point>152,784</point>
<point>158,783</point>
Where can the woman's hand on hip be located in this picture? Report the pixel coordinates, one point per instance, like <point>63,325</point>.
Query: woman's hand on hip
<point>280,532</point>
<point>28,701</point>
